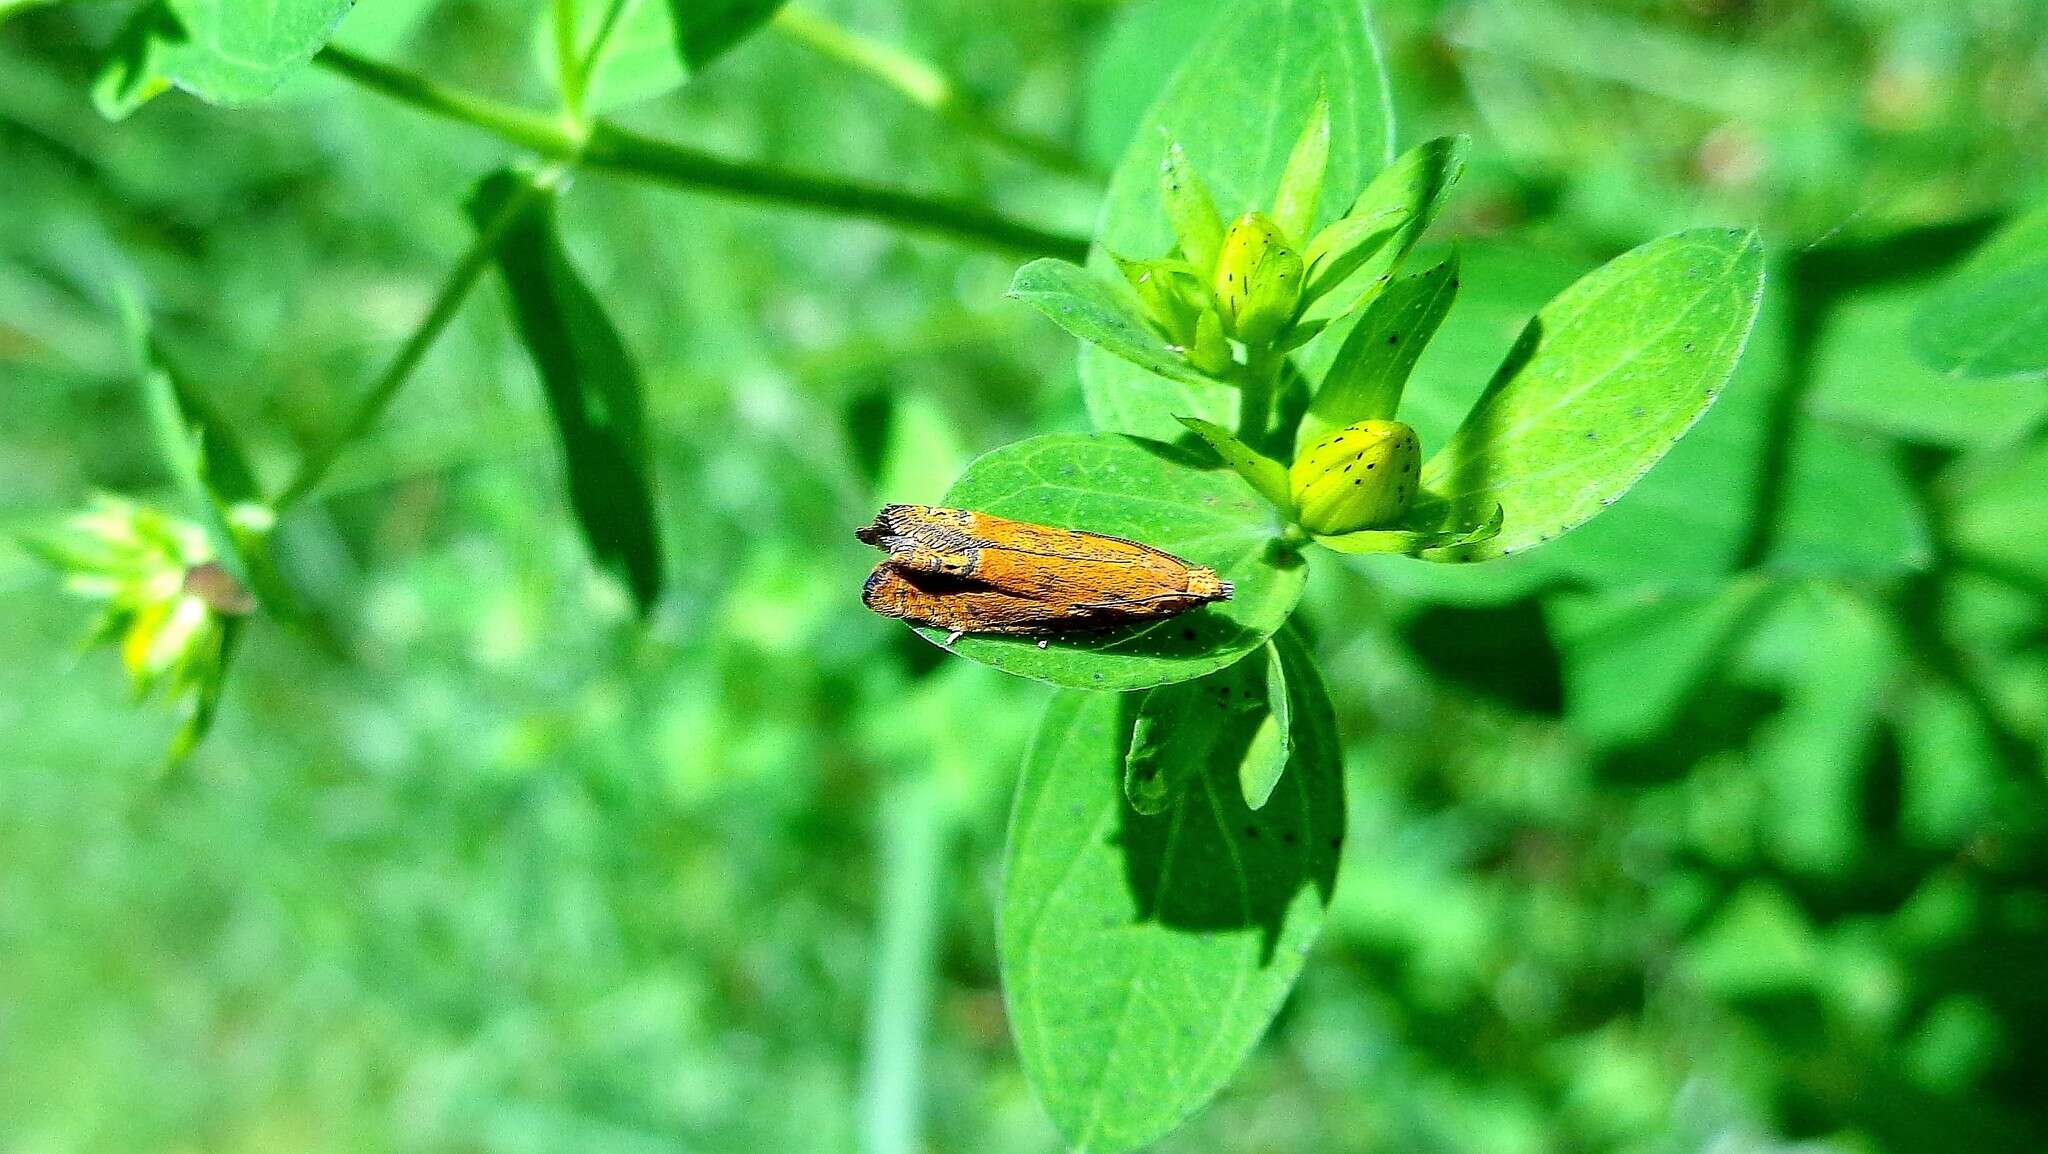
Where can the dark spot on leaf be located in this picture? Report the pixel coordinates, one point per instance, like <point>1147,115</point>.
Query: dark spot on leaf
<point>1393,338</point>
<point>1373,465</point>
<point>1188,633</point>
<point>1251,831</point>
<point>1338,842</point>
<point>1288,837</point>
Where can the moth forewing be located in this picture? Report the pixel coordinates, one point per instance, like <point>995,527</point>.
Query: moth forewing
<point>974,572</point>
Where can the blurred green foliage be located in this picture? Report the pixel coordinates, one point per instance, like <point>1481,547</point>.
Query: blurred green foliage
<point>1716,825</point>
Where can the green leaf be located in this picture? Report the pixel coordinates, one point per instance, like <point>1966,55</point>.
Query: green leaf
<point>1996,507</point>
<point>1371,369</point>
<point>1846,510</point>
<point>1301,184</point>
<point>1185,729</point>
<point>1866,373</point>
<point>1144,956</point>
<point>592,386</point>
<point>1631,661</point>
<point>1236,106</point>
<point>1102,313</point>
<point>1156,494</point>
<point>1350,260</point>
<point>706,29</point>
<point>223,51</point>
<point>1263,473</point>
<point>1258,775</point>
<point>12,8</point>
<point>1127,69</point>
<point>1991,318</point>
<point>1600,385</point>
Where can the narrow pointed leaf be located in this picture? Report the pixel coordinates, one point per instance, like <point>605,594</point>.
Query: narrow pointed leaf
<point>1351,259</point>
<point>1190,209</point>
<point>1264,473</point>
<point>1301,185</point>
<point>1144,956</point>
<point>1106,316</point>
<point>1372,365</point>
<point>592,386</point>
<point>1605,379</point>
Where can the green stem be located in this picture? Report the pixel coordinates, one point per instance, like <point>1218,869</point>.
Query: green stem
<point>1255,393</point>
<point>568,70</point>
<point>460,280</point>
<point>586,65</point>
<point>923,84</point>
<point>617,150</point>
<point>915,821</point>
<point>528,130</point>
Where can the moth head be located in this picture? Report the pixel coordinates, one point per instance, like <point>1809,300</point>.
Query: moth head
<point>1204,583</point>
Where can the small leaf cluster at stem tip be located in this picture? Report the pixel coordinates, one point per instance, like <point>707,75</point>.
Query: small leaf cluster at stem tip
<point>1235,300</point>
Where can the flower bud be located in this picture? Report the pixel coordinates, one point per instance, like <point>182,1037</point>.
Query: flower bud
<point>1362,476</point>
<point>1258,279</point>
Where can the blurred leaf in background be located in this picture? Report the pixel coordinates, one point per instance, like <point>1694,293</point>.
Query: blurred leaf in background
<point>1713,825</point>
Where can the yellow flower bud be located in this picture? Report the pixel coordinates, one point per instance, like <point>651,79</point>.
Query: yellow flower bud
<point>1258,279</point>
<point>1362,476</point>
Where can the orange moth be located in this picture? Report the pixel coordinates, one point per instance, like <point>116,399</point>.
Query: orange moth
<point>969,572</point>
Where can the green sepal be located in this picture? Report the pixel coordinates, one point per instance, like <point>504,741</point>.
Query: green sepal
<point>1190,209</point>
<point>1301,185</point>
<point>1263,473</point>
<point>1171,292</point>
<point>1421,530</point>
<point>1384,223</point>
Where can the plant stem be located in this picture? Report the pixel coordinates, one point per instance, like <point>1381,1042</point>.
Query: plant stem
<point>460,280</point>
<point>568,70</point>
<point>915,821</point>
<point>923,84</point>
<point>528,130</point>
<point>612,149</point>
<point>586,65</point>
<point>1255,392</point>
